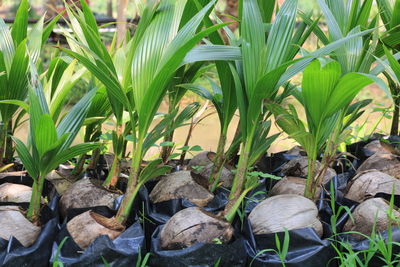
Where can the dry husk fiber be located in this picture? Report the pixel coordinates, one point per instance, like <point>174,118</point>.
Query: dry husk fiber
<point>366,214</point>
<point>180,185</point>
<point>193,225</point>
<point>277,213</point>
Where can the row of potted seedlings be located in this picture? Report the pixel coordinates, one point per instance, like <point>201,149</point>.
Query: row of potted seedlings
<point>218,209</point>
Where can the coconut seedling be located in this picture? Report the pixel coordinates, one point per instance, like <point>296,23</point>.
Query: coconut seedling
<point>16,45</point>
<point>155,53</point>
<point>389,12</point>
<point>50,143</point>
<point>87,47</point>
<point>259,76</point>
<point>327,95</point>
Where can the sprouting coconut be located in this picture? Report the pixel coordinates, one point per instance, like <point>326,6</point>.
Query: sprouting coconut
<point>290,185</point>
<point>16,193</point>
<point>193,225</point>
<point>298,167</point>
<point>277,213</point>
<point>367,184</point>
<point>60,182</point>
<point>83,194</point>
<point>202,159</point>
<point>14,223</point>
<point>370,212</point>
<point>373,147</point>
<point>226,175</point>
<point>180,185</point>
<point>383,162</point>
<point>86,227</point>
<point>296,151</point>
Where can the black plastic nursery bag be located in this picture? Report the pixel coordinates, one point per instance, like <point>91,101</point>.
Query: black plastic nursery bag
<point>305,248</point>
<point>13,254</point>
<point>122,251</point>
<point>200,254</point>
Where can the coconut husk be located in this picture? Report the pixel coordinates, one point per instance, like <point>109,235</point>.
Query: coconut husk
<point>85,194</point>
<point>290,185</point>
<point>193,225</point>
<point>60,182</point>
<point>14,173</point>
<point>14,223</point>
<point>180,185</point>
<point>226,175</point>
<point>383,162</point>
<point>277,213</point>
<point>298,167</point>
<point>366,214</point>
<point>16,193</point>
<point>86,227</point>
<point>374,147</point>
<point>202,159</point>
<point>296,151</point>
<point>369,183</point>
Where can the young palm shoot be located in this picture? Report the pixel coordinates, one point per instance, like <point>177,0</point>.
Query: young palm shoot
<point>390,16</point>
<point>50,144</point>
<point>155,53</point>
<point>256,78</point>
<point>265,66</point>
<point>150,81</point>
<point>326,93</point>
<point>16,45</point>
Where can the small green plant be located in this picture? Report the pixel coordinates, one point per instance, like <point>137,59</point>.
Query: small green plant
<point>49,143</point>
<point>18,47</point>
<point>281,249</point>
<point>56,262</point>
<point>326,97</point>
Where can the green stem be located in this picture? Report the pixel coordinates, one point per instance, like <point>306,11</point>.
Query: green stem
<point>166,150</point>
<point>95,158</point>
<point>79,166</point>
<point>113,175</point>
<point>240,177</point>
<point>308,193</point>
<point>133,184</point>
<point>34,205</point>
<point>9,144</point>
<point>3,135</point>
<point>218,163</point>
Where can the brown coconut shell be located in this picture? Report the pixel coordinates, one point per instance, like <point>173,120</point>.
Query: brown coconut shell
<point>84,194</point>
<point>193,225</point>
<point>277,213</point>
<point>86,227</point>
<point>16,193</point>
<point>298,167</point>
<point>290,185</point>
<point>367,184</point>
<point>226,175</point>
<point>60,182</point>
<point>180,185</point>
<point>296,151</point>
<point>383,162</point>
<point>14,223</point>
<point>366,214</point>
<point>374,147</point>
<point>202,159</point>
